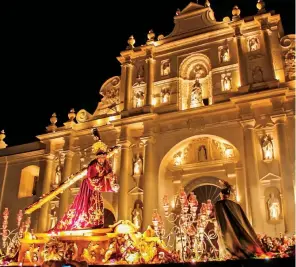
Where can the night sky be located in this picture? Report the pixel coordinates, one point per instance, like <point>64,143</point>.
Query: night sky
<point>55,56</point>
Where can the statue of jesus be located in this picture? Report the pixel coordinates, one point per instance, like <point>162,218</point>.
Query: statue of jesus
<point>87,209</point>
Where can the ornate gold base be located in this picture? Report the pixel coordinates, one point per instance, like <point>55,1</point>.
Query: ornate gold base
<point>96,246</point>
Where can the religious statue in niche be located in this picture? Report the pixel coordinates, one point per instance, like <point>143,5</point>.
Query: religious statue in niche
<point>257,74</point>
<point>290,64</point>
<point>53,219</point>
<point>165,67</point>
<point>137,215</point>
<point>226,82</point>
<point>140,73</point>
<point>196,95</point>
<point>57,177</point>
<point>274,208</point>
<point>202,153</point>
<point>139,99</point>
<point>138,166</point>
<point>199,72</point>
<point>224,54</point>
<point>254,44</point>
<point>165,95</point>
<point>267,147</point>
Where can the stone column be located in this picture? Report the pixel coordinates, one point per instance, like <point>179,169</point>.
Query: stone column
<point>241,186</point>
<point>286,173</point>
<point>116,170</point>
<point>269,54</point>
<point>253,184</point>
<point>276,51</point>
<point>243,73</point>
<point>125,173</point>
<point>44,211</point>
<point>65,196</point>
<point>150,80</point>
<point>150,180</point>
<point>128,86</point>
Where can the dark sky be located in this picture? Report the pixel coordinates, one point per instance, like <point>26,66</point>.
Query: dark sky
<point>55,56</point>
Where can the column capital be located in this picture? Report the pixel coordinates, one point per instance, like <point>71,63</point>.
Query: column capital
<point>148,139</point>
<point>127,63</point>
<point>49,157</point>
<point>248,124</point>
<point>150,59</point>
<point>124,144</point>
<point>279,118</point>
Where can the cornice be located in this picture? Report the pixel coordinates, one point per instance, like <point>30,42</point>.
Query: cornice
<point>257,96</point>
<point>192,37</point>
<point>134,119</point>
<point>23,157</point>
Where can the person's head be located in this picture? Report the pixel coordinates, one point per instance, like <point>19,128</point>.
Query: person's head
<point>101,156</point>
<point>225,193</point>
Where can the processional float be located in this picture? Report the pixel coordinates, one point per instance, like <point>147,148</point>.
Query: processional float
<point>120,243</point>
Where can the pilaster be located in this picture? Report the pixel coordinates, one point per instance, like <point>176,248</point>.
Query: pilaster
<point>252,173</point>
<point>286,172</point>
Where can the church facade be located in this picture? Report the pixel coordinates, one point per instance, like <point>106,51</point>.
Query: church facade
<point>211,101</point>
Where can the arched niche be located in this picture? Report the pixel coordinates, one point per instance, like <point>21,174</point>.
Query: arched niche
<point>195,87</point>
<point>28,181</point>
<point>191,173</point>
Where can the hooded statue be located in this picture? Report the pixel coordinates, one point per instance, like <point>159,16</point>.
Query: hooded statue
<point>238,237</point>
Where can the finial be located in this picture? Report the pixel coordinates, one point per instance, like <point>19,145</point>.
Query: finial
<point>236,13</point>
<point>207,3</point>
<point>131,42</point>
<point>2,143</point>
<point>150,36</point>
<point>178,12</point>
<point>261,7</point>
<point>71,115</point>
<point>53,120</point>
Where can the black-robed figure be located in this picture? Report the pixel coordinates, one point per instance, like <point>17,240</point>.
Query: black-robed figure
<point>236,233</point>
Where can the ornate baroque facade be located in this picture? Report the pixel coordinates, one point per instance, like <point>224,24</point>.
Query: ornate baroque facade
<point>212,100</point>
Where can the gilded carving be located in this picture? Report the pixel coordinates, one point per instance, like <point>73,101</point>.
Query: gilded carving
<point>290,64</point>
<point>53,250</point>
<point>110,93</point>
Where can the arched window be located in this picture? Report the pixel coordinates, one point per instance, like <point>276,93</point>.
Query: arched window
<point>28,181</point>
